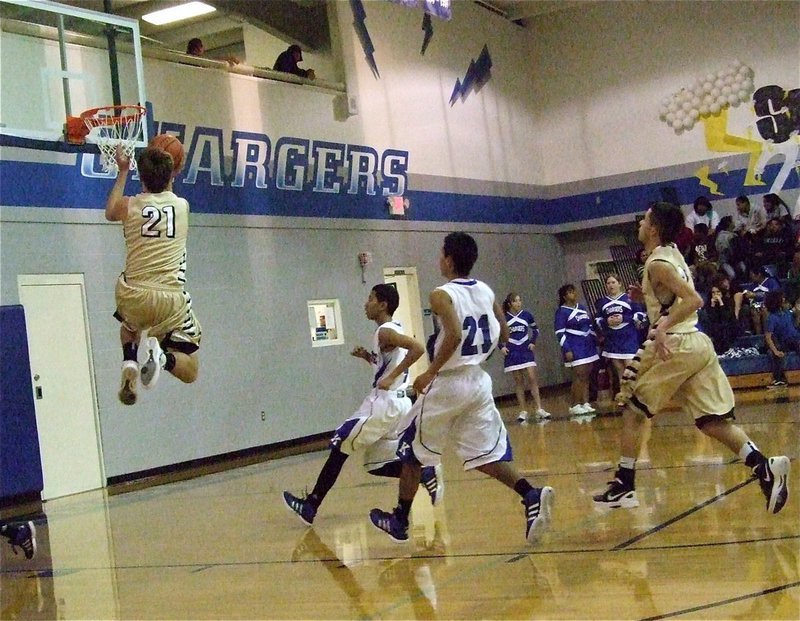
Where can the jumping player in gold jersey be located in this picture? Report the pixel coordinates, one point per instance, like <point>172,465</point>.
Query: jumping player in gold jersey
<point>150,293</point>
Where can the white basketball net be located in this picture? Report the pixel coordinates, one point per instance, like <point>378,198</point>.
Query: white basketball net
<point>115,125</point>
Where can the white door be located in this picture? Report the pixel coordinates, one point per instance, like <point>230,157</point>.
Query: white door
<point>409,312</point>
<point>63,382</point>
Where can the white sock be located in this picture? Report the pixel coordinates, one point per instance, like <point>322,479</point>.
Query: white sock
<point>627,462</point>
<point>747,448</point>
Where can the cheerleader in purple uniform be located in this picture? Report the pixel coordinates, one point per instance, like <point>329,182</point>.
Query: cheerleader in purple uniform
<point>518,354</point>
<point>575,334</point>
<point>618,319</point>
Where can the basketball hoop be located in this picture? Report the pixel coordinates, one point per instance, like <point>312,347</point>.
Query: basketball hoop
<point>107,127</point>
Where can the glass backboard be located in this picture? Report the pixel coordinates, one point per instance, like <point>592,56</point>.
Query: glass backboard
<point>58,61</point>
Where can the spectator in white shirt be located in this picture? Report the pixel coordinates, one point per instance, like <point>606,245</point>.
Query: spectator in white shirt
<point>702,213</point>
<point>749,218</point>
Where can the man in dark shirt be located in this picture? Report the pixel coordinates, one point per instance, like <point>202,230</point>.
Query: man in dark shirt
<point>774,246</point>
<point>287,62</point>
<point>702,248</point>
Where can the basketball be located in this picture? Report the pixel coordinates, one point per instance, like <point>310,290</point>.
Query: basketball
<point>173,146</point>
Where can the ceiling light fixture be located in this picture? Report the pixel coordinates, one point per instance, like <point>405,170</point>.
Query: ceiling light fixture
<point>178,13</point>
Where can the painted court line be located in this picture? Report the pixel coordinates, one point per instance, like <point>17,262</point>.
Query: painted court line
<point>722,602</point>
<point>686,513</point>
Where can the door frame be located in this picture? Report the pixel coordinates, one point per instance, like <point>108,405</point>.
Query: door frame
<point>78,279</point>
<point>415,308</point>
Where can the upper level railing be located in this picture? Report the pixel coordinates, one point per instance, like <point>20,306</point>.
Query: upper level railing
<point>60,60</point>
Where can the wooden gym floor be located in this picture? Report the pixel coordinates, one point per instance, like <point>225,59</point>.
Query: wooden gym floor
<point>223,546</point>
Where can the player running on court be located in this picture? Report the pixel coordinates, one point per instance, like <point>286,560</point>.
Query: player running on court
<point>677,361</point>
<point>376,426</point>
<point>455,401</point>
<point>150,293</point>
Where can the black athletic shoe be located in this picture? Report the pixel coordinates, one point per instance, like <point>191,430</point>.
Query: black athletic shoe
<point>773,476</point>
<point>617,495</point>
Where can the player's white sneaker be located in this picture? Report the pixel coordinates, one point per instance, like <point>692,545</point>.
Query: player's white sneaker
<point>542,413</point>
<point>154,362</point>
<point>127,389</point>
<point>522,416</point>
<point>577,410</point>
<point>588,409</point>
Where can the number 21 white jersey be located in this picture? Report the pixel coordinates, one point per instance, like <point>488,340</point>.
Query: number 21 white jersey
<point>473,301</point>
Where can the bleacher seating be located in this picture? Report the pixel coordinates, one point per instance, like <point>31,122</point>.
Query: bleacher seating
<point>593,290</point>
<point>625,262</point>
<point>604,270</point>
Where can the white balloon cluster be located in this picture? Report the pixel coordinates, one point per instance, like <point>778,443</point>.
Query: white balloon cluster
<point>707,96</point>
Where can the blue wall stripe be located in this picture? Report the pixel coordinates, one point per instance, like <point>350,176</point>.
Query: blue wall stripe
<point>34,184</point>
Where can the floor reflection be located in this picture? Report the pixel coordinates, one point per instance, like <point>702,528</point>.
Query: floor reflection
<point>26,584</point>
<point>408,582</point>
<point>311,545</point>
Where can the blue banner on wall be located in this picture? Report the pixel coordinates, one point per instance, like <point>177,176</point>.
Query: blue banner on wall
<point>247,173</point>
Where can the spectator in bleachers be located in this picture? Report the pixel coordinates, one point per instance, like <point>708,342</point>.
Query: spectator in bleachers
<point>641,257</point>
<point>791,287</point>
<point>723,282</point>
<point>575,335</point>
<point>703,276</point>
<point>748,222</point>
<point>796,220</point>
<point>702,212</point>
<point>287,62</point>
<point>749,219</point>
<point>755,292</point>
<point>684,241</point>
<point>772,207</point>
<point>781,336</point>
<point>702,249</point>
<point>723,245</point>
<point>774,247</point>
<point>719,319</point>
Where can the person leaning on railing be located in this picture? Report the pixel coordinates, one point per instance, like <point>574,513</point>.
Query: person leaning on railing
<point>195,47</point>
<point>287,63</point>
